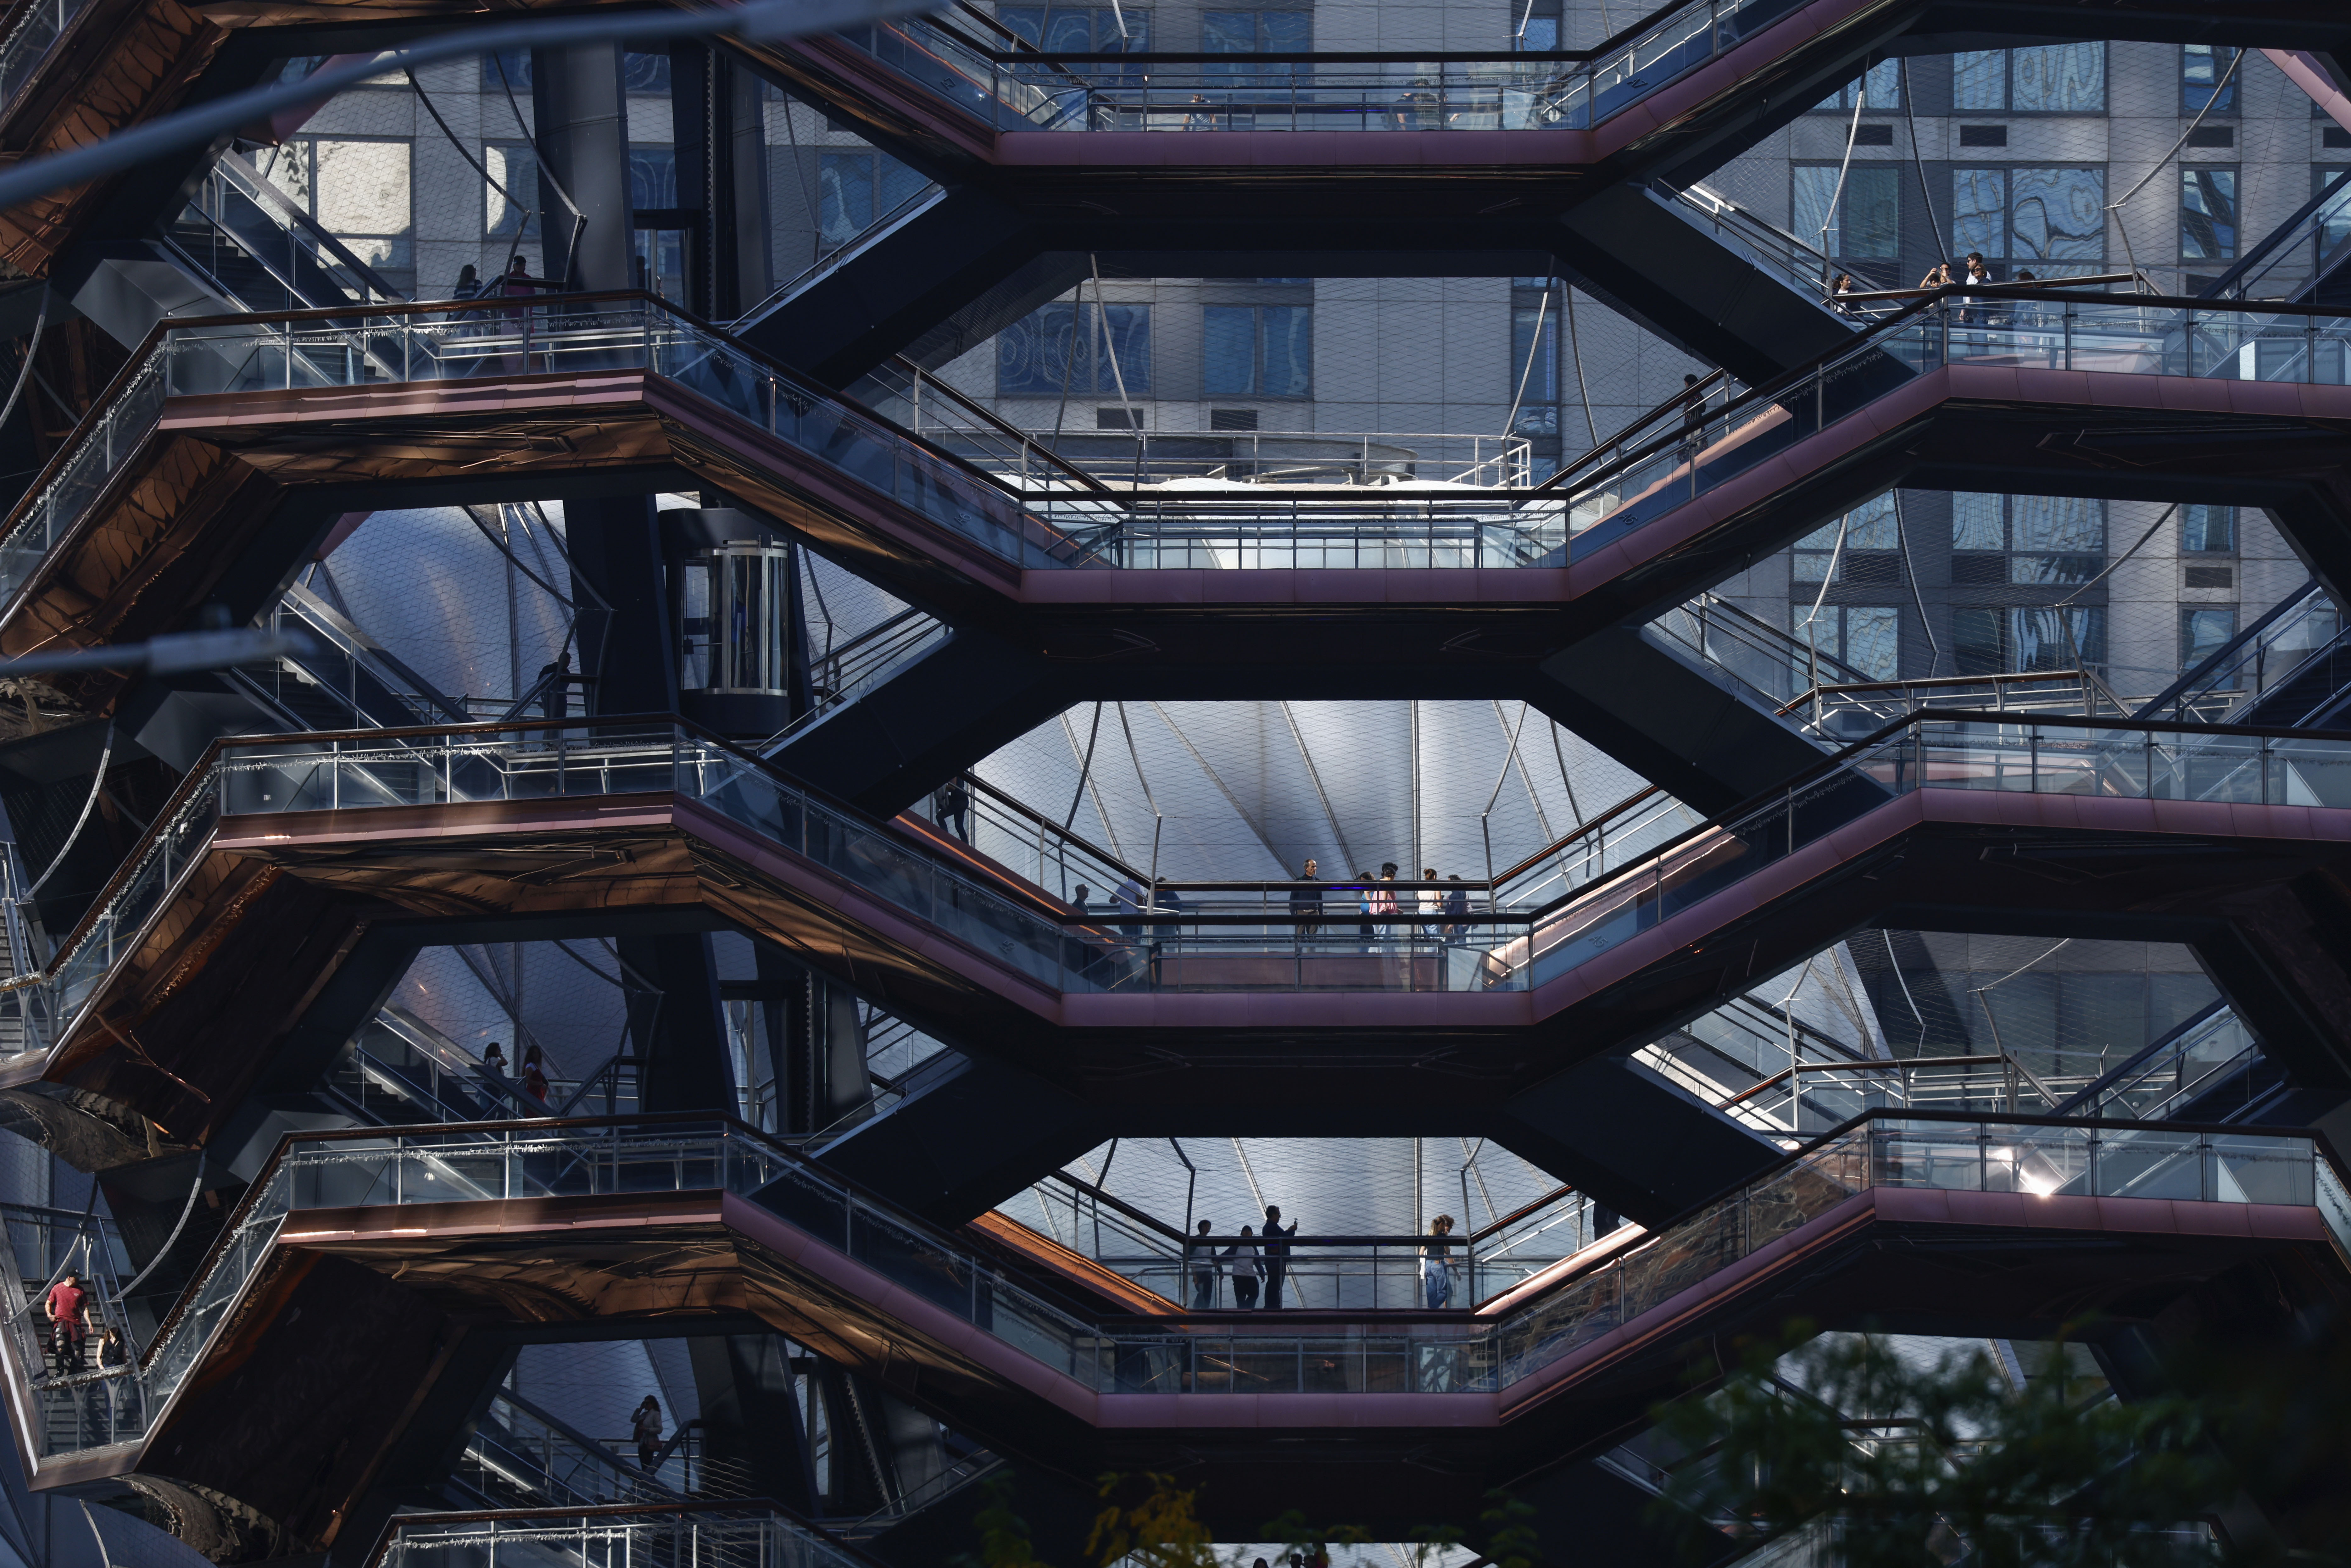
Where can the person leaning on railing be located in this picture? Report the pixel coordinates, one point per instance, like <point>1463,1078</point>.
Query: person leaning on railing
<point>1206,1272</point>
<point>1306,903</point>
<point>1436,1273</point>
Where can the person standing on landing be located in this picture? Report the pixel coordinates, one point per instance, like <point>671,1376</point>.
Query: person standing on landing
<point>1277,1255</point>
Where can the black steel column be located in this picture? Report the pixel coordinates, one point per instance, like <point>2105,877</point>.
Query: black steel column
<point>751,1418</point>
<point>581,109</point>
<point>722,147</point>
<point>615,545</point>
<point>745,220</point>
<point>684,1046</point>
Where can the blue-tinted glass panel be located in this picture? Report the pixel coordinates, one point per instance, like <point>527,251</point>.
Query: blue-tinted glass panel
<point>2061,523</point>
<point>1980,80</point>
<point>2059,78</point>
<point>1289,336</point>
<point>1229,32</point>
<point>652,177</point>
<point>1287,32</point>
<point>2203,632</point>
<point>2207,529</point>
<point>516,66</point>
<point>2061,216</point>
<point>1976,522</point>
<point>1534,370</point>
<point>2202,67</point>
<point>1870,217</point>
<point>2053,639</point>
<point>844,195</point>
<point>646,70</point>
<point>1880,87</point>
<point>1979,211</point>
<point>2208,214</point>
<point>1127,334</point>
<point>1035,356</point>
<point>1228,349</point>
<point>1873,641</point>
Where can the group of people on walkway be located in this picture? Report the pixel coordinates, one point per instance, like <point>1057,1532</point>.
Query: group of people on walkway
<point>1852,296</point>
<point>1442,912</point>
<point>1255,1259</point>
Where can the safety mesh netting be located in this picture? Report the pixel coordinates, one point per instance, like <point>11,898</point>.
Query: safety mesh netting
<point>1252,790</point>
<point>475,599</point>
<point>1895,1019</point>
<point>567,998</point>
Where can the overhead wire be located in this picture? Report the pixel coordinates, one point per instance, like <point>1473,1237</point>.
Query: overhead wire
<point>2122,226</point>
<point>25,373</point>
<point>1852,135</point>
<point>539,154</point>
<point>1925,195</point>
<point>467,153</point>
<point>1910,571</point>
<point>97,783</point>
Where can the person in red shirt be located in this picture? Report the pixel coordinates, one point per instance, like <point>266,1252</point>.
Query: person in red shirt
<point>68,1309</point>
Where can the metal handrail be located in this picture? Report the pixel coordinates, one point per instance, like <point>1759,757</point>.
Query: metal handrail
<point>2249,637</point>
<point>1863,341</point>
<point>996,423</point>
<point>715,1508</point>
<point>1926,683</point>
<point>2309,218</point>
<point>259,186</point>
<point>840,255</point>
<point>2089,1092</point>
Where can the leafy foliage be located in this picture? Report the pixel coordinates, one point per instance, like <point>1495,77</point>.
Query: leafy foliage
<point>1150,1521</point>
<point>1919,1466</point>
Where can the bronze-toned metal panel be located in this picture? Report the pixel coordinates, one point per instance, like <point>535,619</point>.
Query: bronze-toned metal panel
<point>121,62</point>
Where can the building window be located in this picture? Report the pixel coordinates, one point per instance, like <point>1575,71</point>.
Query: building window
<point>2201,68</point>
<point>2038,539</point>
<point>505,68</point>
<point>1064,346</point>
<point>359,191</point>
<point>1867,637</point>
<point>652,177</point>
<point>2054,78</point>
<point>1880,87</point>
<point>1872,541</point>
<point>2053,220</point>
<point>1539,26</point>
<point>2208,212</point>
<point>1080,29</point>
<point>1253,33</point>
<point>1258,351</point>
<point>855,189</point>
<point>2023,639</point>
<point>1534,370</point>
<point>2204,631</point>
<point>2208,530</point>
<point>646,70</point>
<point>1866,222</point>
<point>513,213</point>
